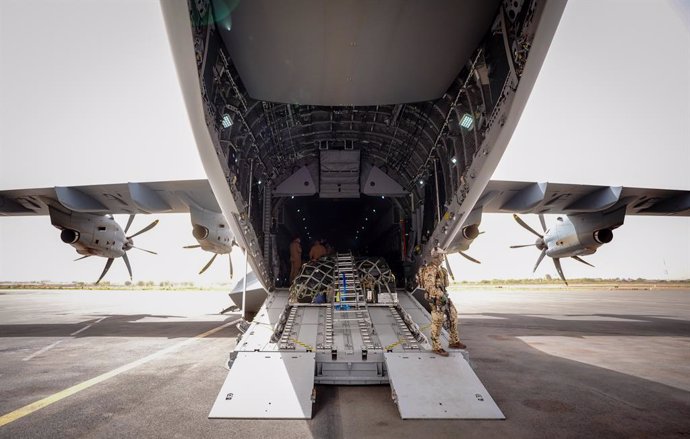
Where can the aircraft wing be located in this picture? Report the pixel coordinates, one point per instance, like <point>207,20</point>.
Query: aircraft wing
<point>123,198</point>
<point>555,198</point>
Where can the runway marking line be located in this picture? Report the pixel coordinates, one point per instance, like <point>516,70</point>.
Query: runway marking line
<point>45,349</point>
<point>88,326</point>
<point>30,408</point>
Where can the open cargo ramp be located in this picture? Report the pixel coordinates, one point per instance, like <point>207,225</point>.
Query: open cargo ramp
<point>267,385</point>
<point>427,386</point>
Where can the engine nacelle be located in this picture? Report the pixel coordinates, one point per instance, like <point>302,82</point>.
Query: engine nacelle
<point>603,236</point>
<point>69,236</point>
<point>470,232</point>
<point>200,232</point>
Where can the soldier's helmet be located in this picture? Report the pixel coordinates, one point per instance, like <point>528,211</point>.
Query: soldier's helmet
<point>437,253</point>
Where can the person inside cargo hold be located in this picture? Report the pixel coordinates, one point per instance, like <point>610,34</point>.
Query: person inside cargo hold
<point>295,257</point>
<point>317,251</point>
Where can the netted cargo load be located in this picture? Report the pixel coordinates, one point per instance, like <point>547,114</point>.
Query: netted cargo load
<point>375,275</point>
<point>315,277</point>
<point>319,277</point>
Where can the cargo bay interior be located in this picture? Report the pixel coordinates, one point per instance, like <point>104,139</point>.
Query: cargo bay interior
<point>370,159</point>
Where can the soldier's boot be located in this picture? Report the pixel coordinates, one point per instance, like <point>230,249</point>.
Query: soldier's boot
<point>457,345</point>
<point>441,352</point>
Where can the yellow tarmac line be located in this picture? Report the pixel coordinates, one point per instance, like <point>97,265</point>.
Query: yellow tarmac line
<point>28,409</point>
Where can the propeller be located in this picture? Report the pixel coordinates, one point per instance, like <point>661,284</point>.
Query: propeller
<point>105,270</point>
<point>450,272</point>
<point>129,267</point>
<point>525,226</point>
<point>145,229</point>
<point>539,244</point>
<point>144,250</point>
<point>213,258</point>
<point>557,263</point>
<point>579,259</point>
<point>128,245</point>
<point>541,257</point>
<point>469,258</point>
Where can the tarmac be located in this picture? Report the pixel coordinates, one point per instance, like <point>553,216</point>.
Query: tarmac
<point>559,363</point>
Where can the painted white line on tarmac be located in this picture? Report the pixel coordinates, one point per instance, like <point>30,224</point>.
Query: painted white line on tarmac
<point>47,348</point>
<point>88,326</point>
<point>82,329</point>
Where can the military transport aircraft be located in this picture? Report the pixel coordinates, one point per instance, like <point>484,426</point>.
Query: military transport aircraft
<point>377,124</point>
<point>84,216</point>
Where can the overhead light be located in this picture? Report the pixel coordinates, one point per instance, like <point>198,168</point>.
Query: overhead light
<point>362,227</point>
<point>298,210</point>
<point>467,121</point>
<point>382,197</point>
<point>259,182</point>
<point>366,219</point>
<point>421,182</point>
<point>453,160</point>
<point>292,196</point>
<point>304,219</point>
<point>227,121</point>
<point>305,227</point>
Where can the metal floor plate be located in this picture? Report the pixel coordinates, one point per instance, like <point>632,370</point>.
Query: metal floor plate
<point>431,387</point>
<point>267,385</point>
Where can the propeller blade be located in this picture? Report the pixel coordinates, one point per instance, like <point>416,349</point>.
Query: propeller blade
<point>541,257</point>
<point>557,263</point>
<point>145,229</point>
<point>230,259</point>
<point>192,246</point>
<point>129,223</point>
<point>452,276</point>
<point>83,257</point>
<point>105,270</point>
<point>577,258</point>
<point>144,250</point>
<point>524,225</point>
<point>209,263</point>
<point>522,245</point>
<point>129,267</point>
<point>469,258</point>
<point>543,222</point>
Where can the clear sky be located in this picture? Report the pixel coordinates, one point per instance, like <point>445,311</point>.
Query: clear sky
<point>89,94</point>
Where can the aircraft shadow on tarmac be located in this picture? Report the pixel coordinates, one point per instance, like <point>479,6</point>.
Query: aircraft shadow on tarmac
<point>128,325</point>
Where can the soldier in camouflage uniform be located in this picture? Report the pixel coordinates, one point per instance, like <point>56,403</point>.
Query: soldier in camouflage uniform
<point>434,279</point>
